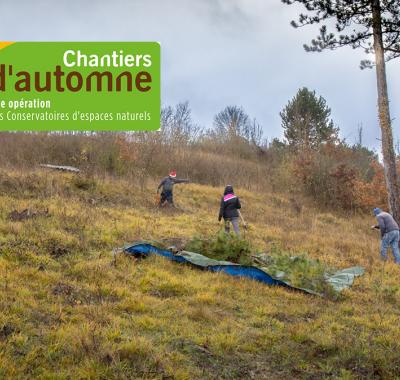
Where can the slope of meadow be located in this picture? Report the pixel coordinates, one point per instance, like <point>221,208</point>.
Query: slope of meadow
<point>67,312</point>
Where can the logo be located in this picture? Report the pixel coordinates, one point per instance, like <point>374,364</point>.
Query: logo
<point>79,86</point>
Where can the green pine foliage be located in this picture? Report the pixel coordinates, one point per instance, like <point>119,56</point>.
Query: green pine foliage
<point>305,121</point>
<point>224,247</point>
<point>300,271</point>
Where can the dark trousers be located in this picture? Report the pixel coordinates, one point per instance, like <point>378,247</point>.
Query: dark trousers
<point>166,196</point>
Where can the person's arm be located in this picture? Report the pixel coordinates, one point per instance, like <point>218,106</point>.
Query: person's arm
<point>221,210</point>
<point>239,206</point>
<point>243,221</point>
<point>178,180</point>
<point>160,185</point>
<point>382,225</point>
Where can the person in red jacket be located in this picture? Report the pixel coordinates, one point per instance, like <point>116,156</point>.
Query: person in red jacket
<point>229,210</point>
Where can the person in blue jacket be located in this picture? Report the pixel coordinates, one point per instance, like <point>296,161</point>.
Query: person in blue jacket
<point>389,234</point>
<point>229,210</point>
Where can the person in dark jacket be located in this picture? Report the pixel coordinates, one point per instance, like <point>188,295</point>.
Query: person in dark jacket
<point>167,185</point>
<point>389,234</point>
<point>229,210</point>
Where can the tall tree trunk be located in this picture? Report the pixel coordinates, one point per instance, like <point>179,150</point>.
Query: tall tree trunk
<point>389,157</point>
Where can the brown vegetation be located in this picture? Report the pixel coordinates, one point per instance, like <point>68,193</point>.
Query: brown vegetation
<point>337,176</point>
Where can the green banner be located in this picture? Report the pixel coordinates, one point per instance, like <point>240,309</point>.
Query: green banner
<point>79,86</point>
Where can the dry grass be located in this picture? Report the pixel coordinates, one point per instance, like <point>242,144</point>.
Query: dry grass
<point>67,312</point>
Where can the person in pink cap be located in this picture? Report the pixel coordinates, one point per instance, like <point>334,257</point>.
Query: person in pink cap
<point>167,185</point>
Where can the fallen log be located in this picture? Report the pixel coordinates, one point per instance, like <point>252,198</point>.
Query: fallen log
<point>61,167</point>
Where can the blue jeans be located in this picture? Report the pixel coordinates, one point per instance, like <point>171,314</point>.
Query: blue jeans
<point>391,239</point>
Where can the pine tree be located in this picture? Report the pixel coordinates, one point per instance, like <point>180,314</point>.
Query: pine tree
<point>306,122</point>
<point>373,25</point>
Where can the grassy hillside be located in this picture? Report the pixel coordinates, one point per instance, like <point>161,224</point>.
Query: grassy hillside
<point>66,312</point>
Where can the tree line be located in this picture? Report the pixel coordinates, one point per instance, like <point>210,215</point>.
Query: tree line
<point>374,26</point>
<point>311,161</point>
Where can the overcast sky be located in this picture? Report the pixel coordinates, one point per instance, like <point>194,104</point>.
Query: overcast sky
<point>220,52</point>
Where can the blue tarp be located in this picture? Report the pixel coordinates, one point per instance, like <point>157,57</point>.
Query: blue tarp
<point>340,280</point>
<point>200,261</point>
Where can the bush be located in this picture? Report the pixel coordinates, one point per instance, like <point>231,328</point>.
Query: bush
<point>300,271</point>
<point>340,177</point>
<point>225,247</point>
<point>372,193</point>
